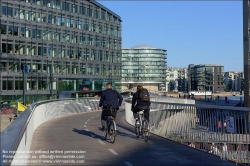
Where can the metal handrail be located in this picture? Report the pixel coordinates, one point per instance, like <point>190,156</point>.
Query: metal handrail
<point>219,125</point>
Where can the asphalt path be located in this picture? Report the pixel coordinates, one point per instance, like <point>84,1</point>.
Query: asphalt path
<point>77,140</point>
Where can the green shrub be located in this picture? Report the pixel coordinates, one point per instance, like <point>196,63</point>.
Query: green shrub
<point>13,103</point>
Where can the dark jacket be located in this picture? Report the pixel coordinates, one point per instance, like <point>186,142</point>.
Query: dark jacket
<point>136,100</point>
<point>106,98</point>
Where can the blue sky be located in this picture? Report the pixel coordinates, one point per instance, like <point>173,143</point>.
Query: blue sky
<point>192,32</point>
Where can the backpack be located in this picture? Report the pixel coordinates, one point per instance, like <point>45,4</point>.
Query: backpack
<point>144,95</point>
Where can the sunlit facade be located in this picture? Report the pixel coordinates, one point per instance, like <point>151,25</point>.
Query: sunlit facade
<point>146,65</point>
<point>69,45</point>
<point>206,78</point>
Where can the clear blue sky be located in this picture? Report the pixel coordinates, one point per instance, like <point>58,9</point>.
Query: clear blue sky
<point>192,32</point>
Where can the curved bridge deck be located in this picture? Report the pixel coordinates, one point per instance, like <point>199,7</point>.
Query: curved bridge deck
<point>81,132</point>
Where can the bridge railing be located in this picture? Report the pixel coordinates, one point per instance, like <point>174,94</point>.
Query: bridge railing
<point>220,130</point>
<point>17,137</point>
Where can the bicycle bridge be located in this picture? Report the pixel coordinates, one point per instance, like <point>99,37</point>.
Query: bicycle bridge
<point>73,137</point>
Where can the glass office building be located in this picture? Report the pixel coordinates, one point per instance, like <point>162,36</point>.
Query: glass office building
<point>146,65</point>
<point>208,77</point>
<point>69,45</point>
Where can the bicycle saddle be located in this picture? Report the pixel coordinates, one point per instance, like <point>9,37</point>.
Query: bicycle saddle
<point>140,112</point>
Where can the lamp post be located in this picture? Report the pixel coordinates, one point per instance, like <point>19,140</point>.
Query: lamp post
<point>51,84</point>
<point>205,85</point>
<point>24,87</point>
<point>110,74</point>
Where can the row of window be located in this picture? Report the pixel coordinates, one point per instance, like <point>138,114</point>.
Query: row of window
<point>104,29</point>
<point>72,38</point>
<point>143,78</point>
<point>147,63</point>
<point>61,52</point>
<point>8,9</point>
<point>31,84</point>
<point>137,53</point>
<point>64,68</point>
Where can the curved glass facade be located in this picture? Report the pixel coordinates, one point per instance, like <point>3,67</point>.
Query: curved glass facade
<point>62,45</point>
<point>143,66</point>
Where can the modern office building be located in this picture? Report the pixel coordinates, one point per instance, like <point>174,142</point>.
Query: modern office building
<point>176,79</point>
<point>246,56</point>
<point>70,45</point>
<point>207,77</point>
<point>146,65</point>
<point>234,81</point>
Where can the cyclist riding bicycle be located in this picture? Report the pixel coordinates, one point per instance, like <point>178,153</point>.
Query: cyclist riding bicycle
<point>109,98</point>
<point>141,101</point>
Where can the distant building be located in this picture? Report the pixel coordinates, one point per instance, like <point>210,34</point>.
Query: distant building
<point>234,81</point>
<point>176,79</point>
<point>145,65</point>
<point>208,77</point>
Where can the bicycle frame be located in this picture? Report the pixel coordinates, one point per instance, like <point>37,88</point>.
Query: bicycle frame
<point>108,122</point>
<point>141,118</point>
<point>143,124</point>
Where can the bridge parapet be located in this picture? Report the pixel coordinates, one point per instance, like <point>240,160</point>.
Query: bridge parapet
<point>18,135</point>
<point>220,130</point>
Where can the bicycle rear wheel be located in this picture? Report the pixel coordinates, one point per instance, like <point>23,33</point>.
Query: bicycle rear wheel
<point>104,134</point>
<point>145,130</point>
<point>137,130</point>
<point>112,132</point>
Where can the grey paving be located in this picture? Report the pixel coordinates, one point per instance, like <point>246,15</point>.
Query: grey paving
<point>69,133</point>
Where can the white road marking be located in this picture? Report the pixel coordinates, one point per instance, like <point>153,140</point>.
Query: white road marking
<point>85,126</point>
<point>88,119</point>
<point>112,151</point>
<point>128,163</point>
<point>92,117</point>
<point>86,122</point>
<point>101,142</point>
<point>87,129</point>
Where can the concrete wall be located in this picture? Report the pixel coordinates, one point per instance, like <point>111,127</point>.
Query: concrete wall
<point>48,111</point>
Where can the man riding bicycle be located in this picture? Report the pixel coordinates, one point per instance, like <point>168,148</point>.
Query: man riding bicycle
<point>109,98</point>
<point>142,100</point>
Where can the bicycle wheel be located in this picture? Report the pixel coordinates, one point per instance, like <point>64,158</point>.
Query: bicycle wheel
<point>145,130</point>
<point>137,131</point>
<point>112,132</point>
<point>104,134</point>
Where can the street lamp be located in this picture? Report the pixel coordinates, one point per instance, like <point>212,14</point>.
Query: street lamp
<point>51,84</point>
<point>205,85</point>
<point>24,87</point>
<point>110,74</point>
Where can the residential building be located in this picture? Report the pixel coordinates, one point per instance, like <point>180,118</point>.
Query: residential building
<point>234,81</point>
<point>246,50</point>
<point>208,77</point>
<point>146,65</point>
<point>70,45</point>
<point>176,79</point>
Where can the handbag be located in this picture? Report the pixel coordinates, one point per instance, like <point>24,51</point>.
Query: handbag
<point>108,109</point>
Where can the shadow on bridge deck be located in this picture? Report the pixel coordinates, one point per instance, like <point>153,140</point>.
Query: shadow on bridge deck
<point>79,136</point>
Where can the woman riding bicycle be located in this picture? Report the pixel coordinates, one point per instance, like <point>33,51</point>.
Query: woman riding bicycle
<point>141,101</point>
